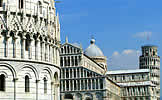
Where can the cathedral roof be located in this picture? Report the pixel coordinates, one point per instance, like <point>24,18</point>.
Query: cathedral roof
<point>128,71</point>
<point>144,83</point>
<point>93,50</point>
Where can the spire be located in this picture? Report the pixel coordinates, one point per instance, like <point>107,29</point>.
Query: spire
<point>66,39</point>
<point>80,45</point>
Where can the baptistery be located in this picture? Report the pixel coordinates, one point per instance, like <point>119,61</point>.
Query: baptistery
<point>29,50</point>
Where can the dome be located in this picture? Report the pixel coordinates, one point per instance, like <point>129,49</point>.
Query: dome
<point>93,50</point>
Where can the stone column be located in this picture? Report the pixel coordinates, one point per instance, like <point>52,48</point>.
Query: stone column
<point>83,73</point>
<point>73,73</point>
<point>126,91</point>
<point>143,93</point>
<point>63,62</point>
<point>95,84</point>
<point>146,91</point>
<point>65,86</point>
<point>54,56</point>
<point>132,91</point>
<point>80,72</point>
<point>91,84</point>
<point>14,51</point>
<point>74,60</point>
<point>76,84</point>
<point>23,47</point>
<point>47,52</point>
<point>32,50</point>
<point>65,72</point>
<point>80,85</point>
<point>43,50</point>
<point>6,51</point>
<point>135,92</point>
<point>57,56</point>
<point>73,85</point>
<point>87,84</point>
<point>84,84</point>
<point>15,87</point>
<point>98,83</point>
<point>37,49</point>
<point>37,89</point>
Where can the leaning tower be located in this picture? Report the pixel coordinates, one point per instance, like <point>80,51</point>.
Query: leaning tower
<point>150,60</point>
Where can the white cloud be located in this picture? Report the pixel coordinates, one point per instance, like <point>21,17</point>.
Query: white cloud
<point>128,51</point>
<point>143,35</point>
<point>115,53</point>
<point>127,59</point>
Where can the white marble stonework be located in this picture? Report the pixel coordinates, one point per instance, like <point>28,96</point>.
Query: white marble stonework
<point>29,50</point>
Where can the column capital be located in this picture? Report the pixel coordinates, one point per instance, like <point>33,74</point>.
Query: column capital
<point>37,81</point>
<point>15,79</point>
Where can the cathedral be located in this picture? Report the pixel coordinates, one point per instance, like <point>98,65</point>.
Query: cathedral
<point>84,75</point>
<point>29,50</point>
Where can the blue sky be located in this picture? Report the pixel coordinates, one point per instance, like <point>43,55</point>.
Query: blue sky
<point>120,27</point>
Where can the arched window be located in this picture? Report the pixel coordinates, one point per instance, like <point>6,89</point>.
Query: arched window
<point>45,85</point>
<point>40,7</point>
<point>1,3</point>
<point>27,85</point>
<point>21,4</point>
<point>2,82</point>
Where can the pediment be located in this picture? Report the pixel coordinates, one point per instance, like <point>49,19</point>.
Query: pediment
<point>71,47</point>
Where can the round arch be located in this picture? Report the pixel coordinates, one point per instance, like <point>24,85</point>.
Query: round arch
<point>4,73</point>
<point>32,68</point>
<point>11,69</point>
<point>49,71</point>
